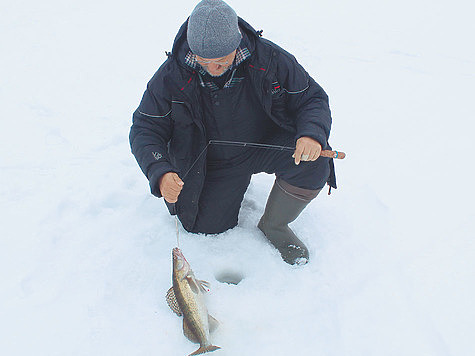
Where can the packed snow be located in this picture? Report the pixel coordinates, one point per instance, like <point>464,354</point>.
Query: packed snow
<point>85,249</point>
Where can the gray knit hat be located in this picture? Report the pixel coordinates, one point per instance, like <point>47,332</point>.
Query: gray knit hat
<point>213,30</point>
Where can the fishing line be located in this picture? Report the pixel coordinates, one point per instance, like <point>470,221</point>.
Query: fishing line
<point>196,160</point>
<point>177,232</point>
<point>239,144</point>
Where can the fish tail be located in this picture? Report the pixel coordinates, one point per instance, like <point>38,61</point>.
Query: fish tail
<point>204,349</point>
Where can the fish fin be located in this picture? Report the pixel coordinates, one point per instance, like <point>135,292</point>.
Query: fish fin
<point>204,349</point>
<point>204,286</point>
<point>173,303</point>
<point>188,275</point>
<point>194,287</point>
<point>213,324</point>
<point>188,333</point>
<point>205,283</point>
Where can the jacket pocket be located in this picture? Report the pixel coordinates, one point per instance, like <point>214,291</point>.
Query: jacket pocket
<point>181,114</point>
<point>183,127</point>
<point>279,96</point>
<point>279,108</point>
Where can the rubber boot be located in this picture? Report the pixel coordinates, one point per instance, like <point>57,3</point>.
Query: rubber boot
<point>284,205</point>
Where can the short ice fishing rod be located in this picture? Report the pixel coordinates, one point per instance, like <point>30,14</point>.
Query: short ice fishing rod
<point>324,153</point>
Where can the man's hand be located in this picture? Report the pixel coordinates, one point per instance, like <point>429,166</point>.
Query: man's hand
<point>171,186</point>
<point>307,149</point>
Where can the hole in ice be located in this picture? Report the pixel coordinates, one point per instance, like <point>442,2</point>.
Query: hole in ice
<point>229,276</point>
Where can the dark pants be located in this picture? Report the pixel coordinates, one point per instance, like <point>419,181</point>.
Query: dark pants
<point>224,187</point>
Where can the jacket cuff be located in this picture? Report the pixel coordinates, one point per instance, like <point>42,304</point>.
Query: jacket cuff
<point>317,134</point>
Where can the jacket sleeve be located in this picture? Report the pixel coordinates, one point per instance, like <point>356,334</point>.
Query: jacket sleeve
<point>149,135</point>
<point>306,101</point>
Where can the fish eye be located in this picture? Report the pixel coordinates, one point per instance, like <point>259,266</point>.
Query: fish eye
<point>180,263</point>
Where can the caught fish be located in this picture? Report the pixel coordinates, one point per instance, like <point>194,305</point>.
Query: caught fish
<point>186,298</point>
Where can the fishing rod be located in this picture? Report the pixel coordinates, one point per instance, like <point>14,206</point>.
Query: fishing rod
<point>323,153</point>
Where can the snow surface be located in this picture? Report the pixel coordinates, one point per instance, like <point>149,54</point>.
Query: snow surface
<point>85,250</point>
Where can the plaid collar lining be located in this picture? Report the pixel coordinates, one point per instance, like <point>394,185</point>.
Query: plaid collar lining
<point>242,54</point>
<point>232,82</point>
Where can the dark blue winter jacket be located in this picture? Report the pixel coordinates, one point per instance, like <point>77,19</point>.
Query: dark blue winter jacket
<point>168,133</point>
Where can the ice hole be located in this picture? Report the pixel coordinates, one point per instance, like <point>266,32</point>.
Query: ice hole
<point>229,277</point>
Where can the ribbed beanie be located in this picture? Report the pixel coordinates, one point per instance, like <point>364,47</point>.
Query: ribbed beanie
<point>213,30</point>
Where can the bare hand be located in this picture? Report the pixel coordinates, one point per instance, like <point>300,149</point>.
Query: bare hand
<point>307,149</point>
<point>171,186</point>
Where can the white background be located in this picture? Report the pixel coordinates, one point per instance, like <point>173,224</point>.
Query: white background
<point>85,250</point>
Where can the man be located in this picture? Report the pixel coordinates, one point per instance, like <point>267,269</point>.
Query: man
<point>222,81</point>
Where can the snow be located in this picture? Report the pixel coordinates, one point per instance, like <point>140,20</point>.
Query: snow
<point>85,250</point>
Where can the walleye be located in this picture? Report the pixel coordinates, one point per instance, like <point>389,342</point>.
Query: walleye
<point>186,299</point>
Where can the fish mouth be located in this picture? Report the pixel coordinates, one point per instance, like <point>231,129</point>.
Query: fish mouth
<point>176,252</point>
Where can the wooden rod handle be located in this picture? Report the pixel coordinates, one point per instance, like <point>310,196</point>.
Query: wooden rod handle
<point>333,154</point>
